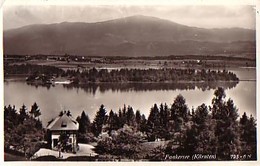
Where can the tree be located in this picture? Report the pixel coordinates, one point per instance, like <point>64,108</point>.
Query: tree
<point>164,121</point>
<point>123,142</point>
<point>63,142</point>
<point>130,117</point>
<point>85,134</point>
<point>112,121</point>
<point>10,113</point>
<point>99,120</point>
<point>120,118</point>
<point>23,113</point>
<point>143,126</point>
<point>226,129</point>
<point>153,124</point>
<point>22,132</point>
<point>179,112</point>
<point>248,135</point>
<point>200,116</point>
<point>252,137</point>
<point>138,119</point>
<point>127,141</point>
<point>163,116</point>
<point>188,141</point>
<point>157,154</point>
<point>84,123</point>
<point>124,120</point>
<point>35,111</point>
<point>204,137</point>
<point>218,102</point>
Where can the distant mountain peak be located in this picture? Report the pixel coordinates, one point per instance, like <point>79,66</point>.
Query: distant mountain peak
<point>132,36</point>
<point>139,16</point>
<point>144,17</point>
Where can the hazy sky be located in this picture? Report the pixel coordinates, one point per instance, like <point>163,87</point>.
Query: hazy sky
<point>199,16</point>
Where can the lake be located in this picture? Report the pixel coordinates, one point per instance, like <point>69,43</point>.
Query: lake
<point>140,96</point>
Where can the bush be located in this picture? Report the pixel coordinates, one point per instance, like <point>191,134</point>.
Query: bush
<point>123,142</point>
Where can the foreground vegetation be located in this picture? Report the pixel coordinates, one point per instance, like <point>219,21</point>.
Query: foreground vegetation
<point>206,130</point>
<point>170,132</point>
<point>23,130</point>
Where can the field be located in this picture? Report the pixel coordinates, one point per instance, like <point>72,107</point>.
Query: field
<point>185,61</point>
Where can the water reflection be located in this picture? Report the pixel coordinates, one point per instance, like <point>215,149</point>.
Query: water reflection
<point>53,99</point>
<point>126,87</point>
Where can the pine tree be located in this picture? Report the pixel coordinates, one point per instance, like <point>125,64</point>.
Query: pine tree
<point>164,121</point>
<point>153,123</point>
<point>112,121</point>
<point>35,111</point>
<point>85,134</point>
<point>120,118</point>
<point>138,119</point>
<point>143,123</point>
<point>124,115</point>
<point>99,120</point>
<point>23,113</point>
<point>130,117</point>
<point>252,137</point>
<point>21,131</point>
<point>84,123</point>
<point>248,135</point>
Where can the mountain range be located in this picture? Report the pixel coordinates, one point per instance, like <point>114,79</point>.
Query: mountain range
<point>129,36</point>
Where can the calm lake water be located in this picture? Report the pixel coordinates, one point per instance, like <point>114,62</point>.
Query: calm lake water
<point>76,99</point>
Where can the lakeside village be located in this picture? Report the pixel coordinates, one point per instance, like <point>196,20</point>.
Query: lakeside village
<point>170,133</point>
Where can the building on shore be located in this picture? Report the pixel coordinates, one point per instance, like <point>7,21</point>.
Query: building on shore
<point>66,127</point>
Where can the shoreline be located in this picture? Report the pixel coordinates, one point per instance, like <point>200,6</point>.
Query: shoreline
<point>13,79</point>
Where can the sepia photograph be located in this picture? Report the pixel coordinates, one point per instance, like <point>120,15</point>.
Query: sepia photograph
<point>129,82</point>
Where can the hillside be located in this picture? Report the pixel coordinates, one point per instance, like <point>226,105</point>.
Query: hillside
<point>130,36</point>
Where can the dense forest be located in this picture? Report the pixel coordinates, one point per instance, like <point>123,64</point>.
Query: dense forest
<point>23,130</point>
<point>151,75</point>
<point>28,69</point>
<point>206,130</point>
<point>169,131</point>
<point>47,73</point>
